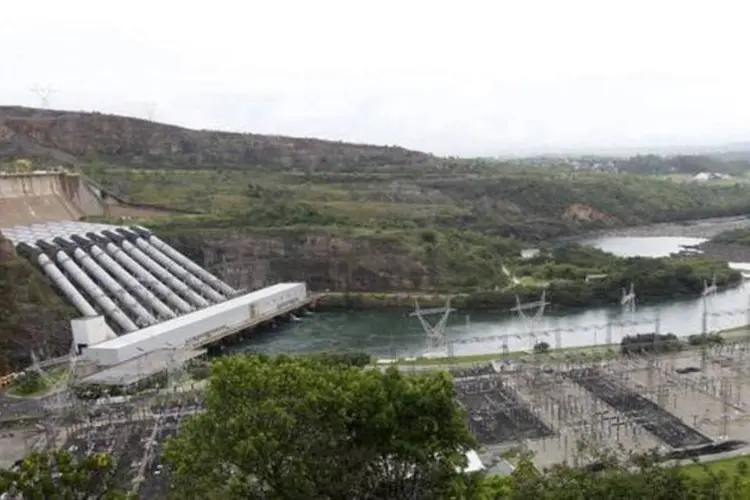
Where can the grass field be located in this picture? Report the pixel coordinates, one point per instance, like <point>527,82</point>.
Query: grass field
<point>744,179</point>
<point>56,378</point>
<point>592,352</point>
<point>729,466</point>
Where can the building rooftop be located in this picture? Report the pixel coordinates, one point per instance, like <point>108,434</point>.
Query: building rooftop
<point>192,317</point>
<point>142,367</point>
<point>49,230</point>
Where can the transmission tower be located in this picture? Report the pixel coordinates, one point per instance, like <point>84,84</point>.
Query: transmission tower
<point>435,334</point>
<point>37,367</point>
<point>530,319</point>
<point>652,356</point>
<point>706,294</point>
<point>43,93</point>
<point>628,306</point>
<point>150,110</point>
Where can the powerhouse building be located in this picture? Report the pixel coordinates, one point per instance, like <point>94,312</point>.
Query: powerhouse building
<point>137,294</point>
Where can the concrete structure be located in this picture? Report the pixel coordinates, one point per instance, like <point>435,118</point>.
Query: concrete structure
<point>145,366</point>
<point>473,462</point>
<point>200,326</point>
<point>136,294</point>
<point>104,270</point>
<point>58,195</point>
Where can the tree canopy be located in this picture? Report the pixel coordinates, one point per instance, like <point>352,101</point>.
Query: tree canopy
<point>620,476</point>
<point>60,475</point>
<point>304,428</point>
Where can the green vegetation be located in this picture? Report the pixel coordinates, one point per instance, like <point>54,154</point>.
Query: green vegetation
<point>320,427</point>
<point>730,466</point>
<point>359,424</point>
<point>686,165</point>
<point>629,346</point>
<point>435,231</point>
<point>306,428</point>
<point>31,313</point>
<point>471,272</point>
<point>527,203</point>
<point>59,475</point>
<point>32,383</point>
<point>621,476</point>
<point>733,237</point>
<point>28,384</point>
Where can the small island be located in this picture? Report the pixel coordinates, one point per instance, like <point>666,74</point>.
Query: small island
<point>571,276</point>
<point>730,246</point>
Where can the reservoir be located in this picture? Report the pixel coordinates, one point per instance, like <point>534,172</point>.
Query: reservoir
<point>391,334</point>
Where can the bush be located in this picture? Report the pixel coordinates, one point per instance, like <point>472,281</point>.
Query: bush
<point>649,343</point>
<point>708,339</point>
<point>200,371</point>
<point>359,359</point>
<point>30,382</point>
<point>541,348</point>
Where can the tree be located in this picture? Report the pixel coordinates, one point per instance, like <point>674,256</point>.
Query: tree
<point>617,475</point>
<point>59,475</point>
<point>541,348</point>
<point>306,428</point>
<point>22,165</point>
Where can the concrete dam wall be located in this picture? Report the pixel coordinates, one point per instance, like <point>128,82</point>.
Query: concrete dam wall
<point>50,196</point>
<point>27,198</point>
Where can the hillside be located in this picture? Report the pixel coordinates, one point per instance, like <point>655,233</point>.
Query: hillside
<point>345,217</point>
<point>70,137</point>
<point>32,315</point>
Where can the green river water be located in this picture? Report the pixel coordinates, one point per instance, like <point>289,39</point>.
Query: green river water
<point>390,334</point>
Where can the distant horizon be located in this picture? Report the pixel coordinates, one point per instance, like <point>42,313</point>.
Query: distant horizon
<point>485,79</point>
<point>528,152</point>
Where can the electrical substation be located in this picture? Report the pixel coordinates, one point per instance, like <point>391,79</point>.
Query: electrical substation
<point>683,402</point>
<point>546,404</point>
<point>147,310</point>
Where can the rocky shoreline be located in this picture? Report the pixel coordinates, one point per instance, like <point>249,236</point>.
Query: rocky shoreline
<point>702,228</point>
<point>724,251</point>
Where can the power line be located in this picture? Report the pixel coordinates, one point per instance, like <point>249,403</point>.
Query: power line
<point>43,93</point>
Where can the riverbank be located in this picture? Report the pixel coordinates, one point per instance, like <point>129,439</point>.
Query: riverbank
<point>573,297</point>
<point>700,228</point>
<point>393,302</point>
<point>725,251</point>
<point>589,353</point>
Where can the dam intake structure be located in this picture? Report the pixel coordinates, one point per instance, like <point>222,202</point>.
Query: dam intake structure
<point>59,195</point>
<point>136,294</point>
<point>44,196</point>
<point>116,272</point>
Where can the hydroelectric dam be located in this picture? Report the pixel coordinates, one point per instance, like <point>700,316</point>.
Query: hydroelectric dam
<point>140,301</point>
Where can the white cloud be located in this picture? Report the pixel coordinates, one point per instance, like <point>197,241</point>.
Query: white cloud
<point>476,77</point>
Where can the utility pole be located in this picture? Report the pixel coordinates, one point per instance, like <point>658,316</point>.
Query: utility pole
<point>150,110</point>
<point>435,334</point>
<point>43,93</point>
<point>531,320</point>
<point>708,291</point>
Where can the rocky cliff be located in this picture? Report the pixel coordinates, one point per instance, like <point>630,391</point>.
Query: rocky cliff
<point>32,316</point>
<point>67,137</point>
<point>253,259</point>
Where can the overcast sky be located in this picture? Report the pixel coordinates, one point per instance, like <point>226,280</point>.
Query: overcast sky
<point>454,78</point>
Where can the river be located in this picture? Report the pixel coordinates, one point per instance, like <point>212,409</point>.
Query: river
<point>395,334</point>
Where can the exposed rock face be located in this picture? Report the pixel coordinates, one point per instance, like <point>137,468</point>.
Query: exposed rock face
<point>6,249</point>
<point>65,136</point>
<point>32,316</point>
<point>584,213</point>
<point>254,260</point>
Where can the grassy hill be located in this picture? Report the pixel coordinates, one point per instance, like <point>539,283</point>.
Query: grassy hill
<point>350,217</point>
<point>533,204</point>
<point>32,315</point>
<point>73,137</point>
<point>251,180</point>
